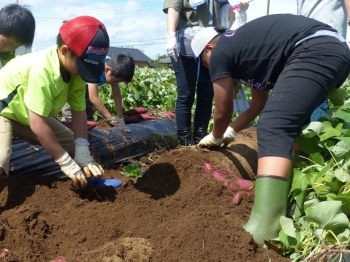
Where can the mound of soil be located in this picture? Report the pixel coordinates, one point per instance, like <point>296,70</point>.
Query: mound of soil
<point>176,212</point>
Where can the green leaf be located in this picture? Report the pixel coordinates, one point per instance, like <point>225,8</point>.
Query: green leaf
<point>342,174</point>
<point>287,240</point>
<point>343,138</point>
<point>310,144</point>
<point>337,96</point>
<point>288,226</point>
<point>300,180</point>
<point>346,209</point>
<point>310,203</point>
<point>327,214</point>
<point>344,236</point>
<point>322,172</point>
<point>317,158</point>
<point>343,113</point>
<point>132,170</point>
<point>329,131</point>
<point>341,148</point>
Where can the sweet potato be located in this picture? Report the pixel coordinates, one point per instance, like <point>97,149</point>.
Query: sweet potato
<point>219,177</point>
<point>237,198</point>
<point>241,185</point>
<point>207,166</point>
<point>91,125</point>
<point>138,118</point>
<point>244,184</point>
<point>147,117</point>
<point>136,111</point>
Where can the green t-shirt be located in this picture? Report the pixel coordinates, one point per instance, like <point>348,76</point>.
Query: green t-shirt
<point>7,56</point>
<point>34,81</point>
<point>189,17</point>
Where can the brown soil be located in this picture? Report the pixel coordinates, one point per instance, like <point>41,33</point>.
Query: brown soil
<point>175,212</point>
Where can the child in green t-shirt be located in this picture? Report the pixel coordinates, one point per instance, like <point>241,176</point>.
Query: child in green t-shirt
<point>17,26</point>
<point>34,87</point>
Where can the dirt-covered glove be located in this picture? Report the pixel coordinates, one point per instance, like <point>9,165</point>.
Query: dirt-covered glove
<point>72,170</point>
<point>210,141</point>
<point>84,159</point>
<point>116,121</point>
<point>229,135</point>
<point>171,46</point>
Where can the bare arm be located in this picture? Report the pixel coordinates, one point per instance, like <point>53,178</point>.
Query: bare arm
<point>172,19</point>
<point>79,124</point>
<point>223,93</point>
<point>45,135</point>
<point>118,100</point>
<point>257,104</point>
<point>347,7</point>
<point>96,101</point>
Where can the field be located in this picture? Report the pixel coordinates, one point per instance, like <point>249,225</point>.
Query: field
<point>176,212</point>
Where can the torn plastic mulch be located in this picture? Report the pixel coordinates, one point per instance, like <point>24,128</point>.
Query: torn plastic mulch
<point>108,146</point>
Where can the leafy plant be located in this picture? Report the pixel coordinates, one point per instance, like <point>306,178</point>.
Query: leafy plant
<point>132,170</point>
<point>318,226</point>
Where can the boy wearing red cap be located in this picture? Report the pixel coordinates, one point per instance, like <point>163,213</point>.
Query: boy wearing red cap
<point>34,88</point>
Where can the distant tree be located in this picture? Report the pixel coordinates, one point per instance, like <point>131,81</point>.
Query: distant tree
<point>156,62</point>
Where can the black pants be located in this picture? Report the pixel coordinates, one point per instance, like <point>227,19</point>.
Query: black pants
<point>187,89</point>
<point>314,68</point>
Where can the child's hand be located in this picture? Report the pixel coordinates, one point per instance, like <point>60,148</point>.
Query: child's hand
<point>116,121</point>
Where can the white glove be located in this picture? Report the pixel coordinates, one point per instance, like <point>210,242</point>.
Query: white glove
<point>171,46</point>
<point>243,6</point>
<point>116,121</point>
<point>84,159</point>
<point>210,141</point>
<point>230,135</point>
<point>72,170</point>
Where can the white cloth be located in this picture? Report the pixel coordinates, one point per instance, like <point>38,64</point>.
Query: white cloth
<point>241,19</point>
<point>223,16</point>
<point>236,21</point>
<point>240,104</point>
<point>331,12</point>
<point>196,3</point>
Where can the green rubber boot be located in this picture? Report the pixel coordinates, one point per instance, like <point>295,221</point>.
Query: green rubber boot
<point>270,203</point>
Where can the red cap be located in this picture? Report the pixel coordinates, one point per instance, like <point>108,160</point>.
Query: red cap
<point>88,39</point>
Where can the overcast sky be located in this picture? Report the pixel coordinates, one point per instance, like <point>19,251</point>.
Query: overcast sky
<point>131,23</point>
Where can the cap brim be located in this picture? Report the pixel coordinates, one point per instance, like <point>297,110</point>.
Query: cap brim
<point>201,39</point>
<point>90,73</point>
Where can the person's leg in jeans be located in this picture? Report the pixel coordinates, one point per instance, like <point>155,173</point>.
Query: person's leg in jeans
<point>186,77</point>
<point>204,103</point>
<point>315,67</point>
